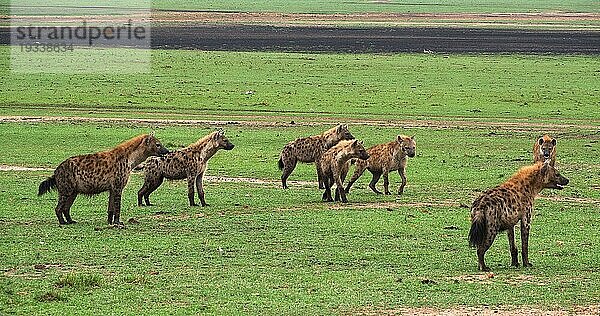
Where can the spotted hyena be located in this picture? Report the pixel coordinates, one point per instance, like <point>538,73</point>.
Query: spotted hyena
<point>500,209</point>
<point>544,148</point>
<point>334,164</point>
<point>384,158</point>
<point>187,163</point>
<point>95,173</point>
<point>309,149</point>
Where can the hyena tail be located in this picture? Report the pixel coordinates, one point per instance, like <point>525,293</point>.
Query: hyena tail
<point>280,163</point>
<point>47,185</point>
<point>478,230</point>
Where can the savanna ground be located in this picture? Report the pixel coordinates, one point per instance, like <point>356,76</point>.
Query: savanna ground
<point>258,249</point>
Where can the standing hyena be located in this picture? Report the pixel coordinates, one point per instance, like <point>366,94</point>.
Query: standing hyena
<point>95,173</point>
<point>309,149</point>
<point>545,148</point>
<point>334,164</point>
<point>187,163</point>
<point>500,209</point>
<point>384,158</point>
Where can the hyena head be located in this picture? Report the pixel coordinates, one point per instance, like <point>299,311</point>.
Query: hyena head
<point>546,145</point>
<point>153,147</point>
<point>221,141</point>
<point>357,149</point>
<point>339,133</point>
<point>551,178</point>
<point>407,144</point>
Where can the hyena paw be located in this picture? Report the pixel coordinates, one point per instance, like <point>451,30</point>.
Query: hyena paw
<point>527,264</point>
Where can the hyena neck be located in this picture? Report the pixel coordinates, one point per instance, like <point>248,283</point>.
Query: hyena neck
<point>327,142</point>
<point>132,150</point>
<point>208,151</point>
<point>528,180</point>
<point>397,152</point>
<point>136,156</point>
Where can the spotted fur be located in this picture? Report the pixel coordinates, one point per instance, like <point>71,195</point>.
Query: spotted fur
<point>188,163</point>
<point>309,149</point>
<point>500,209</point>
<point>334,164</point>
<point>95,173</point>
<point>384,158</point>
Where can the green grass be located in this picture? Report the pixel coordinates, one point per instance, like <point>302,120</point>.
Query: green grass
<point>340,6</point>
<point>557,88</point>
<point>260,249</point>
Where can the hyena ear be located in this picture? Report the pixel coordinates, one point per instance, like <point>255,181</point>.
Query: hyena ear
<point>399,138</point>
<point>149,137</point>
<point>554,142</point>
<point>413,137</point>
<point>540,141</point>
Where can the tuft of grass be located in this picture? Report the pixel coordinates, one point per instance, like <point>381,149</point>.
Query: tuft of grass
<point>80,281</point>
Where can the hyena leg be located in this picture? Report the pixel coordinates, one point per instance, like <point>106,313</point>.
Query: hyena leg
<point>150,187</point>
<point>376,176</point>
<point>525,226</point>
<point>339,190</point>
<point>114,207</point>
<point>327,194</point>
<point>358,171</point>
<point>319,177</point>
<point>200,189</point>
<point>481,249</point>
<point>402,173</point>
<point>386,183</point>
<point>287,170</point>
<point>67,208</point>
<point>62,199</point>
<point>191,179</point>
<point>513,247</point>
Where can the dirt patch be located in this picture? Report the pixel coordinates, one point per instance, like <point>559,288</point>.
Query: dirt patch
<point>372,18</point>
<point>514,125</point>
<point>19,168</point>
<point>486,311</point>
<point>394,205</point>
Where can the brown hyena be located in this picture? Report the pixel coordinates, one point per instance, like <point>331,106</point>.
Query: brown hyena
<point>334,164</point>
<point>187,163</point>
<point>545,148</point>
<point>309,149</point>
<point>500,209</point>
<point>384,158</point>
<point>95,173</point>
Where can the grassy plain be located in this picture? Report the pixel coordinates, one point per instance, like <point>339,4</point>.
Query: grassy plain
<point>335,6</point>
<point>262,250</point>
<point>398,86</point>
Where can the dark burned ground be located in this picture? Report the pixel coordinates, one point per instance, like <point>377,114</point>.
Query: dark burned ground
<point>366,40</point>
<point>377,40</point>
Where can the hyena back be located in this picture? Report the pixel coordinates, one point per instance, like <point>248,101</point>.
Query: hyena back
<point>384,158</point>
<point>544,148</point>
<point>500,209</point>
<point>95,173</point>
<point>188,163</point>
<point>309,149</point>
<point>334,164</point>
